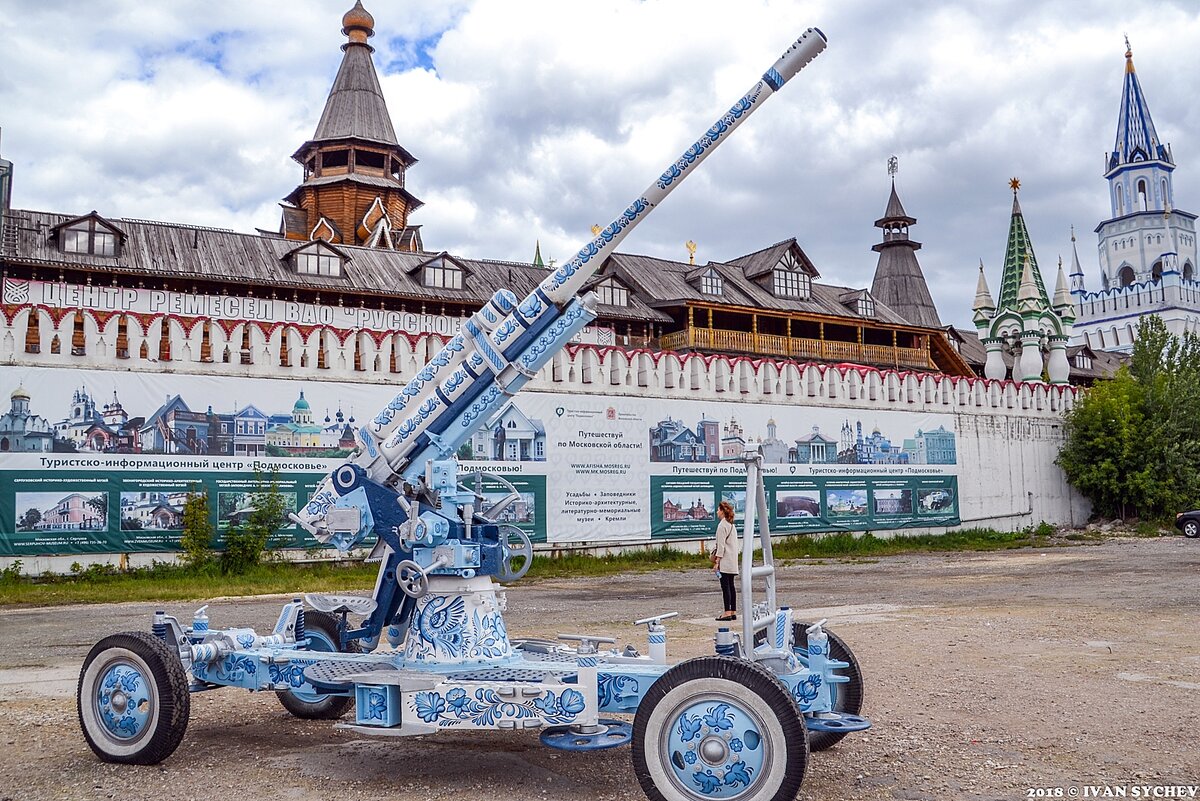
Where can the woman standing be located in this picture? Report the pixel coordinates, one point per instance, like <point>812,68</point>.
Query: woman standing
<point>725,559</point>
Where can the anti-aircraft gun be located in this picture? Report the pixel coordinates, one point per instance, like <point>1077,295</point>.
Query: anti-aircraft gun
<point>739,723</point>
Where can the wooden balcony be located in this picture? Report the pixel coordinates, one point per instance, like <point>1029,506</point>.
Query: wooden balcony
<point>722,341</point>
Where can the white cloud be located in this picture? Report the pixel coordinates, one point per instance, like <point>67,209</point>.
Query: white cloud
<point>533,120</point>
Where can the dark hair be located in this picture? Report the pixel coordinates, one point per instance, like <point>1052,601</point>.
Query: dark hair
<point>725,509</point>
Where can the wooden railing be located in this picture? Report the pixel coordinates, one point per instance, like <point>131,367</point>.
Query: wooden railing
<point>717,339</point>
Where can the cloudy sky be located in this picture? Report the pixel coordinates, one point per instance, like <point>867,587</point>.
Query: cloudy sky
<point>534,120</point>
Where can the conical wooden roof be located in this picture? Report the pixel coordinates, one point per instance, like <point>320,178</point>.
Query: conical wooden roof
<point>899,282</point>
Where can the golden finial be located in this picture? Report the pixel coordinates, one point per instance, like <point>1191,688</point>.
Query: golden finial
<point>1128,55</point>
<point>691,249</point>
<point>1014,184</point>
<point>595,230</point>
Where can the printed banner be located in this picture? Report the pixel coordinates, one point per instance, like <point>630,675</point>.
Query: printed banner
<point>98,461</point>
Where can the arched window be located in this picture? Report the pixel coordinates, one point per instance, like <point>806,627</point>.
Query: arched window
<point>1165,199</point>
<point>1156,271</point>
<point>1142,202</point>
<point>1120,196</point>
<point>1189,272</point>
<point>1125,275</point>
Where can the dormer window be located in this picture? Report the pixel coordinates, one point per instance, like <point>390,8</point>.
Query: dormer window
<point>787,284</point>
<point>612,292</point>
<point>711,282</point>
<point>441,274</point>
<point>318,259</point>
<point>866,306</point>
<point>1083,362</point>
<point>89,236</point>
<point>789,280</point>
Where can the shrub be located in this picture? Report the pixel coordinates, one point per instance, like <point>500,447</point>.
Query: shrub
<point>246,541</point>
<point>12,573</point>
<point>196,540</point>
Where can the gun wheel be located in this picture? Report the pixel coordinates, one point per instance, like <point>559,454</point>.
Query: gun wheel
<point>132,699</point>
<point>846,698</point>
<point>516,554</point>
<point>719,728</point>
<point>321,630</point>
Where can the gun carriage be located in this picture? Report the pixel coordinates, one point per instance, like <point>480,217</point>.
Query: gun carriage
<point>431,651</point>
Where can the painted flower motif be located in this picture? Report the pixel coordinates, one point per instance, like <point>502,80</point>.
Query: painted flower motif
<point>718,718</point>
<point>689,727</point>
<point>430,706</point>
<point>245,640</point>
<point>376,705</point>
<point>736,745</point>
<point>457,698</point>
<point>707,781</point>
<point>547,704</point>
<point>806,690</point>
<point>571,702</point>
<point>690,757</point>
<point>738,773</point>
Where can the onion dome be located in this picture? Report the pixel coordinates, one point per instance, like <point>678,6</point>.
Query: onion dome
<point>358,24</point>
<point>301,403</point>
<point>20,393</point>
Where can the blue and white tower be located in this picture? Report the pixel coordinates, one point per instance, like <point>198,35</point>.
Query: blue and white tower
<point>1147,249</point>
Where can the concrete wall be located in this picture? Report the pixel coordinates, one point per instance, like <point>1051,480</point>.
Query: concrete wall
<point>1008,433</point>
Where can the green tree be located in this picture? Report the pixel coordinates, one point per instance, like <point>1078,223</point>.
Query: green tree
<point>1133,442</point>
<point>99,505</point>
<point>196,539</point>
<point>246,541</point>
<point>30,519</point>
<point>1103,436</point>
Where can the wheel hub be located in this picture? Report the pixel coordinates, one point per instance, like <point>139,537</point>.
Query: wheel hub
<point>713,750</point>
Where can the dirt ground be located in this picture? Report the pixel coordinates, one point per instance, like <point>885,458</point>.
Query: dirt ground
<point>1034,673</point>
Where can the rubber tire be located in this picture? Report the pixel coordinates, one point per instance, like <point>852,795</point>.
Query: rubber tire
<point>1191,529</point>
<point>847,698</point>
<point>744,680</point>
<point>322,629</point>
<point>168,718</point>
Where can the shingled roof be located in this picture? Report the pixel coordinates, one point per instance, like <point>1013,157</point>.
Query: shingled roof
<point>189,253</point>
<point>664,283</point>
<point>356,108</point>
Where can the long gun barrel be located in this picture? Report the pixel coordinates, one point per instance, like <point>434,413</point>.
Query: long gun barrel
<point>503,345</point>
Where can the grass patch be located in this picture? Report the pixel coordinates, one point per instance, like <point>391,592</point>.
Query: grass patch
<point>164,582</point>
<point>167,582</point>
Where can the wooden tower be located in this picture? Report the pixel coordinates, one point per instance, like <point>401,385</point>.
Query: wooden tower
<point>353,190</point>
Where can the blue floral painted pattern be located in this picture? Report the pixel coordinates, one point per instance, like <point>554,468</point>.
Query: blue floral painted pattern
<point>376,705</point>
<point>736,766</point>
<point>807,688</point>
<point>615,691</point>
<point>710,138</point>
<point>488,708</point>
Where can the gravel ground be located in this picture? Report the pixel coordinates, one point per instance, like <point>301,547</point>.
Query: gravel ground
<point>987,676</point>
